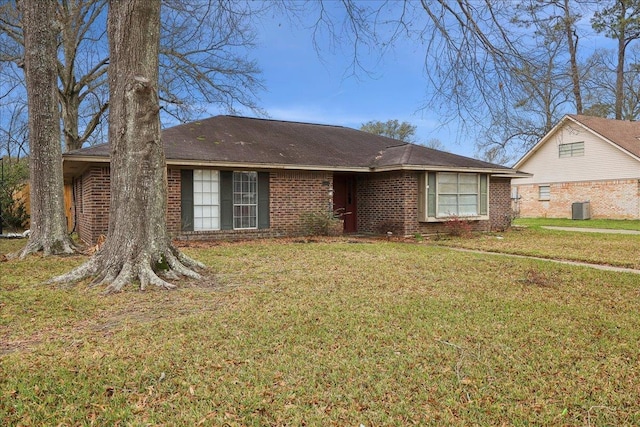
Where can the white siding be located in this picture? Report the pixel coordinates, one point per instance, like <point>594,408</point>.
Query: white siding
<point>601,160</point>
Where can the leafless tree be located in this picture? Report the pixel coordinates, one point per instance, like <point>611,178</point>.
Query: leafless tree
<point>201,60</point>
<point>138,245</point>
<point>14,134</point>
<point>82,70</point>
<point>619,20</point>
<point>505,71</point>
<point>435,143</point>
<point>602,84</point>
<point>200,63</point>
<point>48,223</point>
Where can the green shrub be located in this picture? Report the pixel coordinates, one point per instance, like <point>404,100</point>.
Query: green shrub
<point>13,211</point>
<point>14,214</point>
<point>321,223</point>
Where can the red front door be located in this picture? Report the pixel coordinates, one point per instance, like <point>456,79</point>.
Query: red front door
<point>344,200</point>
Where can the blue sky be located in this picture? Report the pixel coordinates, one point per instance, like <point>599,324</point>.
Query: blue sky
<point>309,86</point>
<point>305,85</point>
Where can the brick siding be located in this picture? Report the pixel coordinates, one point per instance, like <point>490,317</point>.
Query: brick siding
<point>386,201</point>
<point>92,197</point>
<point>173,202</point>
<point>294,193</point>
<point>614,199</point>
<point>389,202</point>
<point>500,211</point>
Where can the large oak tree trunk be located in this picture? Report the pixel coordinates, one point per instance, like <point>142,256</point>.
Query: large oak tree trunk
<point>138,245</point>
<point>48,223</point>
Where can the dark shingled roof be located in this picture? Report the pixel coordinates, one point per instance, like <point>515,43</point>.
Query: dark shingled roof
<point>241,140</point>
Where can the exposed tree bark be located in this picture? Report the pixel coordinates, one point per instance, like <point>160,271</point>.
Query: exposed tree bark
<point>138,245</point>
<point>572,43</point>
<point>620,77</point>
<point>201,60</point>
<point>48,223</point>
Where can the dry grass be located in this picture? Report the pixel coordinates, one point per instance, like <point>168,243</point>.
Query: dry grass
<point>619,250</point>
<point>325,333</point>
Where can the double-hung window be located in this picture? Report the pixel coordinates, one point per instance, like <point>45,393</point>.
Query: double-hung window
<point>452,194</point>
<point>224,200</point>
<point>544,192</point>
<point>245,200</point>
<point>206,199</point>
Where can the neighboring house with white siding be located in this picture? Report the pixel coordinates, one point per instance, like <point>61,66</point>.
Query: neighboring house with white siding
<point>582,159</point>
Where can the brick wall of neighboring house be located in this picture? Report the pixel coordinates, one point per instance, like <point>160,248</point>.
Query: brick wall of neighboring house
<point>614,199</point>
<point>388,201</point>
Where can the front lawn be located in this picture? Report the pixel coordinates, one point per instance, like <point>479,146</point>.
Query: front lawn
<point>343,333</point>
<point>620,250</point>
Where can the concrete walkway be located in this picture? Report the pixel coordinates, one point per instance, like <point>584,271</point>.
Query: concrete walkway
<point>591,230</point>
<point>567,262</point>
<point>557,261</point>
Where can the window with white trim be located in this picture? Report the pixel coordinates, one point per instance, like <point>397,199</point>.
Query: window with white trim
<point>573,149</point>
<point>544,192</point>
<point>206,199</point>
<point>451,194</point>
<point>245,200</point>
<point>458,194</point>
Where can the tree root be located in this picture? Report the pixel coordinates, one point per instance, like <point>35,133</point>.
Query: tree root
<point>55,247</point>
<point>116,275</point>
<point>179,266</point>
<point>88,269</point>
<point>186,260</point>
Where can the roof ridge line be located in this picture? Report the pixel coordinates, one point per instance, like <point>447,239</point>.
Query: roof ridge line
<point>269,119</point>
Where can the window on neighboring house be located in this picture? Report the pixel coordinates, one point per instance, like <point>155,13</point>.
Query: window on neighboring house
<point>224,200</point>
<point>447,194</point>
<point>514,193</point>
<point>245,200</point>
<point>573,149</point>
<point>544,192</point>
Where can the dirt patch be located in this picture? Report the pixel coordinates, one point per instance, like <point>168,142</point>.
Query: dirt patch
<point>17,346</point>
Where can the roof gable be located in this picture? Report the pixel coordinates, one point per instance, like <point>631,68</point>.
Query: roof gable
<point>622,134</point>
